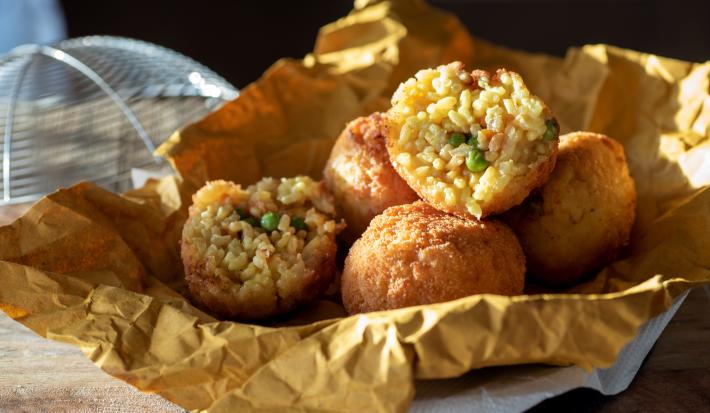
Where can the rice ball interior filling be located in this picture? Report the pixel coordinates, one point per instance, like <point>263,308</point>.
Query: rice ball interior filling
<point>264,238</point>
<point>461,137</point>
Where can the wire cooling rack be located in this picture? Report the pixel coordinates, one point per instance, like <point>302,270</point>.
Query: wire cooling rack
<point>93,108</point>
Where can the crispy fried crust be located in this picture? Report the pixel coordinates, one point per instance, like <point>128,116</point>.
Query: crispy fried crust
<point>361,177</point>
<point>218,295</point>
<point>580,219</point>
<point>414,254</point>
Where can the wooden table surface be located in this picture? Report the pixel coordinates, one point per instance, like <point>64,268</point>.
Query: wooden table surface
<point>38,375</point>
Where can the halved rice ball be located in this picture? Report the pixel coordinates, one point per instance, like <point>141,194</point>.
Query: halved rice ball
<point>471,144</point>
<point>261,251</point>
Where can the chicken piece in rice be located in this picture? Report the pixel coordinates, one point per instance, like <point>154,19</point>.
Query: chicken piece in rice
<point>261,251</point>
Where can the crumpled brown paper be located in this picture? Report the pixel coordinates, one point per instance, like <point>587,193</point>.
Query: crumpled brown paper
<point>102,271</point>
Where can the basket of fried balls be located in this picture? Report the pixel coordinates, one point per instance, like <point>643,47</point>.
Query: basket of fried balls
<point>462,187</point>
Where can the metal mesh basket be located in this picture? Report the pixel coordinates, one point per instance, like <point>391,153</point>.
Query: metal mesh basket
<point>93,108</point>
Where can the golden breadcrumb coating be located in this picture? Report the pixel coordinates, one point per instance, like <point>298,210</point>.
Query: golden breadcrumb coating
<point>579,220</point>
<point>361,177</point>
<point>414,254</point>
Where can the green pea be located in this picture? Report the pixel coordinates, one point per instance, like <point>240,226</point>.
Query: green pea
<point>551,131</point>
<point>251,221</point>
<point>472,140</point>
<point>299,223</point>
<point>269,221</point>
<point>475,161</point>
<point>242,213</point>
<point>456,139</point>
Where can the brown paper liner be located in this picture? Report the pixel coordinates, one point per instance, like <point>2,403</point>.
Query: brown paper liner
<point>102,271</point>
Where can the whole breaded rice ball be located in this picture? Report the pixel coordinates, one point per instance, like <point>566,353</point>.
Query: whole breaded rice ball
<point>471,144</point>
<point>361,177</point>
<point>414,254</point>
<point>255,252</point>
<point>579,220</point>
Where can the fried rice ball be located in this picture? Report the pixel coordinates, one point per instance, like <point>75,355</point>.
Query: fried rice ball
<point>471,144</point>
<point>579,220</point>
<point>261,251</point>
<point>361,177</point>
<point>414,254</point>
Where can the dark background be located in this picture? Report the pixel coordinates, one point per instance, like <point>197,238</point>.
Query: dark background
<point>240,39</point>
